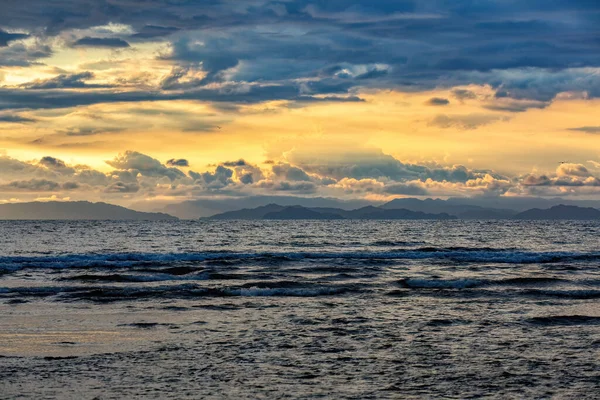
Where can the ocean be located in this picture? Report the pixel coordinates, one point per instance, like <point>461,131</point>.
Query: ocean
<point>300,309</point>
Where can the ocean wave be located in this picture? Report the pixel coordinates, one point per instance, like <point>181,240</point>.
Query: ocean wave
<point>288,292</point>
<point>416,283</point>
<point>139,260</point>
<point>456,288</point>
<point>115,293</point>
<point>157,277</point>
<point>565,320</point>
<point>468,283</point>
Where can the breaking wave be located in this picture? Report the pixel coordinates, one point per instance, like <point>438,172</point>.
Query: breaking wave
<point>451,254</point>
<point>114,293</point>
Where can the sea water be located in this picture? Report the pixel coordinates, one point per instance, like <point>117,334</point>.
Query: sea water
<point>299,309</point>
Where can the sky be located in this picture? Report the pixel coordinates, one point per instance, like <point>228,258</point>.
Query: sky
<point>129,101</point>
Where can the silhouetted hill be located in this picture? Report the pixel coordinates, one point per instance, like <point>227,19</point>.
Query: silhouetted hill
<point>404,214</point>
<point>519,204</point>
<point>463,207</point>
<point>202,208</point>
<point>560,212</point>
<point>464,211</point>
<point>299,212</point>
<point>348,214</point>
<point>250,213</point>
<point>75,210</point>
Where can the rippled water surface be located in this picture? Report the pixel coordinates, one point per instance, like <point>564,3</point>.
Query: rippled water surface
<point>300,309</point>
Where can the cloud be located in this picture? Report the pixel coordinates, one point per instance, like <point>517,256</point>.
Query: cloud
<point>467,122</point>
<point>179,162</point>
<point>505,104</point>
<point>569,169</point>
<point>366,163</point>
<point>11,168</point>
<point>20,54</point>
<point>437,101</point>
<point>15,119</point>
<point>6,37</point>
<point>146,165</point>
<point>53,163</point>
<point>100,42</point>
<point>523,48</point>
<point>285,186</point>
<point>587,129</point>
<point>238,163</point>
<point>290,173</point>
<point>154,31</point>
<point>88,131</point>
<point>64,81</point>
<point>121,187</point>
<point>567,175</point>
<point>221,177</point>
<point>361,173</point>
<point>237,92</point>
<point>32,185</point>
<point>405,189</point>
<point>463,94</point>
<point>595,164</point>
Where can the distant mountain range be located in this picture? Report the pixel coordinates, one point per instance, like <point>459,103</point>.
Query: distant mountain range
<point>275,211</point>
<point>561,212</point>
<point>411,209</point>
<point>279,212</point>
<point>200,208</point>
<point>75,210</point>
<point>464,208</point>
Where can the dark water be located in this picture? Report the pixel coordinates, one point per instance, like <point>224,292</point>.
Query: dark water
<point>329,309</point>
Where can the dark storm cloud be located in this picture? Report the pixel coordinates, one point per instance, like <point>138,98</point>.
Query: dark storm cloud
<point>73,81</point>
<point>15,119</point>
<point>49,98</point>
<point>238,163</point>
<point>100,42</point>
<point>179,162</point>
<point>438,101</point>
<point>52,162</point>
<point>153,31</point>
<point>6,37</point>
<point>303,50</point>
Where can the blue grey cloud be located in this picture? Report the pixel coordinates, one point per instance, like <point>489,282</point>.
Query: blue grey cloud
<point>178,162</point>
<point>100,42</point>
<point>301,49</point>
<point>6,37</point>
<point>15,119</point>
<point>63,81</point>
<point>438,101</point>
